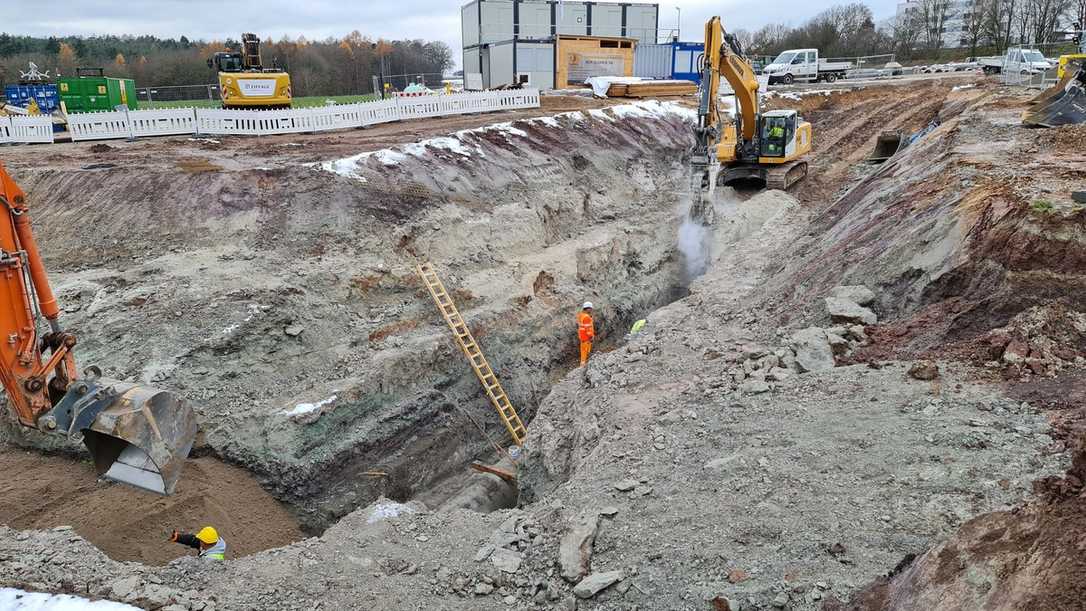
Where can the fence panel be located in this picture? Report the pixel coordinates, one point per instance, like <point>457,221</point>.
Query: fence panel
<point>180,121</point>
<point>31,129</point>
<point>98,125</point>
<point>164,122</point>
<point>373,113</point>
<point>5,130</point>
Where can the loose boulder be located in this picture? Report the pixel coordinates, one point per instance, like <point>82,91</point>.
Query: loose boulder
<point>596,583</point>
<point>860,295</point>
<point>849,312</point>
<point>575,548</point>
<point>813,350</point>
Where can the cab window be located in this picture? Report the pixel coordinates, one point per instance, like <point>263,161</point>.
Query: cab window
<point>229,63</point>
<point>776,133</point>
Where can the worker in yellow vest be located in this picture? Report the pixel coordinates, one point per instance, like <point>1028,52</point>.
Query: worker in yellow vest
<point>586,331</point>
<point>207,541</point>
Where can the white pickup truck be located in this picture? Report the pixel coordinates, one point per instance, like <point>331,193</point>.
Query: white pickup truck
<point>804,65</point>
<point>1018,60</point>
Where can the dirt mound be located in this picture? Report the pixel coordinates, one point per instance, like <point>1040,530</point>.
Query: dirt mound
<point>1021,559</point>
<point>127,524</point>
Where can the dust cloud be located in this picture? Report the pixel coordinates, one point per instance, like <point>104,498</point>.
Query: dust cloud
<point>695,239</point>
<point>694,246</point>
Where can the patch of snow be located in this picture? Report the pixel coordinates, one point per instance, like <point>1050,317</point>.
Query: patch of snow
<point>207,140</point>
<point>506,129</point>
<point>448,143</point>
<point>347,167</point>
<point>21,600</point>
<point>384,510</point>
<point>308,408</point>
<point>548,121</point>
<point>798,95</point>
<point>636,110</point>
<point>598,113</point>
<point>230,329</point>
<point>389,157</point>
<point>960,87</point>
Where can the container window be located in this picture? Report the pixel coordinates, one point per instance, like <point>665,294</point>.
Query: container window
<point>608,44</point>
<point>625,45</point>
<point>684,61</point>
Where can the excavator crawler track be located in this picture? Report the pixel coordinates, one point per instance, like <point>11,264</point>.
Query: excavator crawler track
<point>784,176</point>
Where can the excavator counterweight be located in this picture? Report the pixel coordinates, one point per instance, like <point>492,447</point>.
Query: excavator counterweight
<point>136,434</point>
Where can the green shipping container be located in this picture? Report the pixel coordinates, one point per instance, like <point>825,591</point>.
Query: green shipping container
<point>95,93</point>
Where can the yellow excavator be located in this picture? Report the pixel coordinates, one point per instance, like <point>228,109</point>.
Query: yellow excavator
<point>244,82</point>
<point>763,148</point>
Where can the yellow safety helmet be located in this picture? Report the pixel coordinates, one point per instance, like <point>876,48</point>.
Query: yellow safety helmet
<point>208,535</point>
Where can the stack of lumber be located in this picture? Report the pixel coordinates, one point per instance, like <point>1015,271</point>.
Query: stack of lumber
<point>651,89</point>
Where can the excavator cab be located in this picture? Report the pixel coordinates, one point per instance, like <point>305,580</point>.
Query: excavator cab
<point>136,434</point>
<point>778,131</point>
<point>225,62</point>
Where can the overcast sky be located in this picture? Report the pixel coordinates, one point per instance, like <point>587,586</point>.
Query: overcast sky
<point>426,19</point>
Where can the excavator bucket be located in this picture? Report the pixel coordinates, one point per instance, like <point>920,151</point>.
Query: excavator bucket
<point>136,434</point>
<point>888,145</point>
<point>1064,105</point>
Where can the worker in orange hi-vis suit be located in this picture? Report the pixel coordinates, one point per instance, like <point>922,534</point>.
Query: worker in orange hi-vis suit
<point>586,330</point>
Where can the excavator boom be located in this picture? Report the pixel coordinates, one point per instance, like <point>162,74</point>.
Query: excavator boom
<point>136,434</point>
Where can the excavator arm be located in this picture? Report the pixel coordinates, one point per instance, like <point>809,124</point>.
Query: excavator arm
<point>722,57</point>
<point>136,434</point>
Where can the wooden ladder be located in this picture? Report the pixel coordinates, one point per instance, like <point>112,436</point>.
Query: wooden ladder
<point>474,354</point>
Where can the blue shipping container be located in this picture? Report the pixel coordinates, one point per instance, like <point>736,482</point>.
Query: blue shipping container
<point>684,61</point>
<point>45,95</point>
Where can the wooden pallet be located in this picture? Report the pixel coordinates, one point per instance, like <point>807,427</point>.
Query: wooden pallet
<point>491,386</point>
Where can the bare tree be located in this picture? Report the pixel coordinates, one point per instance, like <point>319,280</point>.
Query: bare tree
<point>1046,17</point>
<point>906,30</point>
<point>933,16</point>
<point>999,21</point>
<point>973,21</point>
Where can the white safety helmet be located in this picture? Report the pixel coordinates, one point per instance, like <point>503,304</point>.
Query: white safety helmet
<point>587,305</point>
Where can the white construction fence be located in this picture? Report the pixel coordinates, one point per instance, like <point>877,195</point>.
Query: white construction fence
<point>218,122</point>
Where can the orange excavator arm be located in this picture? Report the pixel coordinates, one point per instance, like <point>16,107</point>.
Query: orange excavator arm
<point>25,293</point>
<point>136,435</point>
